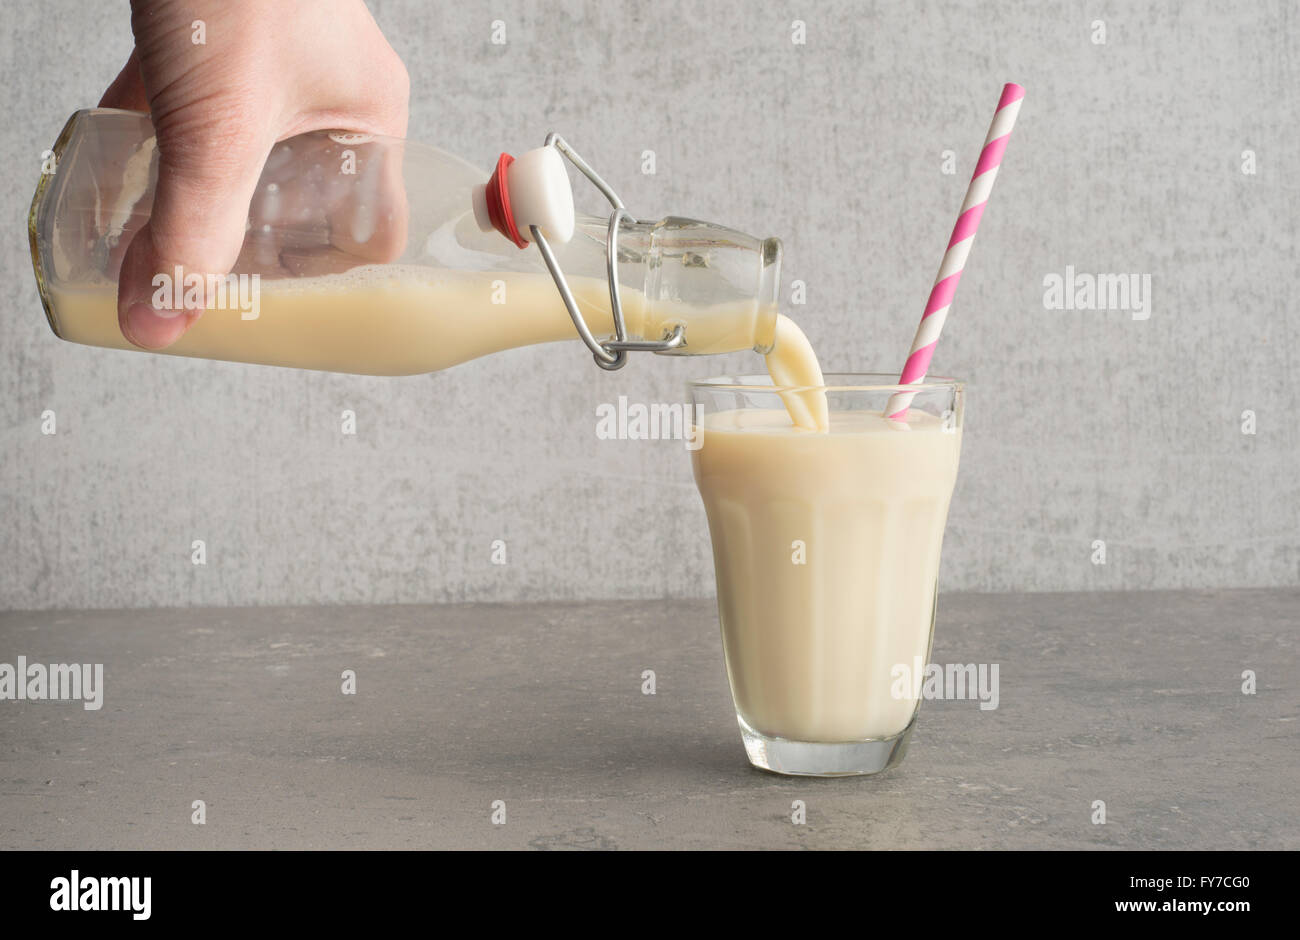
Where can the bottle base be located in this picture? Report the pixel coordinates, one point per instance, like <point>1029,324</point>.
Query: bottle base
<point>822,759</point>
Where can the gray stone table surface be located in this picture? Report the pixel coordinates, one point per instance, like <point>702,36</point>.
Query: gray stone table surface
<point>1132,699</point>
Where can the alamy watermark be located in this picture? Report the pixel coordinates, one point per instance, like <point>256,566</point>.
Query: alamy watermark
<point>657,421</point>
<point>80,892</point>
<point>69,682</point>
<point>1083,291</point>
<point>181,291</point>
<point>954,681</point>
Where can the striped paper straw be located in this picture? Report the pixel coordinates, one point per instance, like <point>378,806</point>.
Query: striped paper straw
<point>954,259</point>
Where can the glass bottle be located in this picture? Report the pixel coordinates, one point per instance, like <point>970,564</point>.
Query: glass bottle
<point>373,255</point>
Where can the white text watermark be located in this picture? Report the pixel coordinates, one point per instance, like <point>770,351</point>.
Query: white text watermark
<point>68,682</point>
<point>181,291</point>
<point>1083,291</point>
<point>954,681</point>
<point>657,421</point>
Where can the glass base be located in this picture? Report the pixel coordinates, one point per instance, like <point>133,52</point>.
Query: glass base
<point>820,759</point>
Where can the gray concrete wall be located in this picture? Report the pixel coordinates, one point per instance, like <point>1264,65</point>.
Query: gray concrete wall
<point>1081,425</point>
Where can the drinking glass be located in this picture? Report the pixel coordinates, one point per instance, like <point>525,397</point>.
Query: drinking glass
<point>826,550</point>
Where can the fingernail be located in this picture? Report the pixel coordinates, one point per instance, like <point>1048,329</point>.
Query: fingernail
<point>150,328</point>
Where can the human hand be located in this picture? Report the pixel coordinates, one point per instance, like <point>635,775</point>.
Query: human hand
<point>265,72</point>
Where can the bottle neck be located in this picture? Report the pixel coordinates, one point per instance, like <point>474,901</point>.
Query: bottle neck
<point>719,284</point>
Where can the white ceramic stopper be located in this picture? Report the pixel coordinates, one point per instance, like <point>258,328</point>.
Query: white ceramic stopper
<point>540,194</point>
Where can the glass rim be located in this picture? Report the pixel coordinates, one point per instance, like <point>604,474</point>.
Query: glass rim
<point>846,382</point>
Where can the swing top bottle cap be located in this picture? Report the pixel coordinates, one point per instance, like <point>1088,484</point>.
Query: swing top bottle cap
<point>531,190</point>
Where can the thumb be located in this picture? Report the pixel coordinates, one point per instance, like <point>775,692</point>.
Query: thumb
<point>200,207</point>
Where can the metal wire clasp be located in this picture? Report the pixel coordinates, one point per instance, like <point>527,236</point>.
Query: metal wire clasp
<point>611,354</point>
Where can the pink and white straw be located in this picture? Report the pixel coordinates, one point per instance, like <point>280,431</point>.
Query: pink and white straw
<point>954,259</point>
